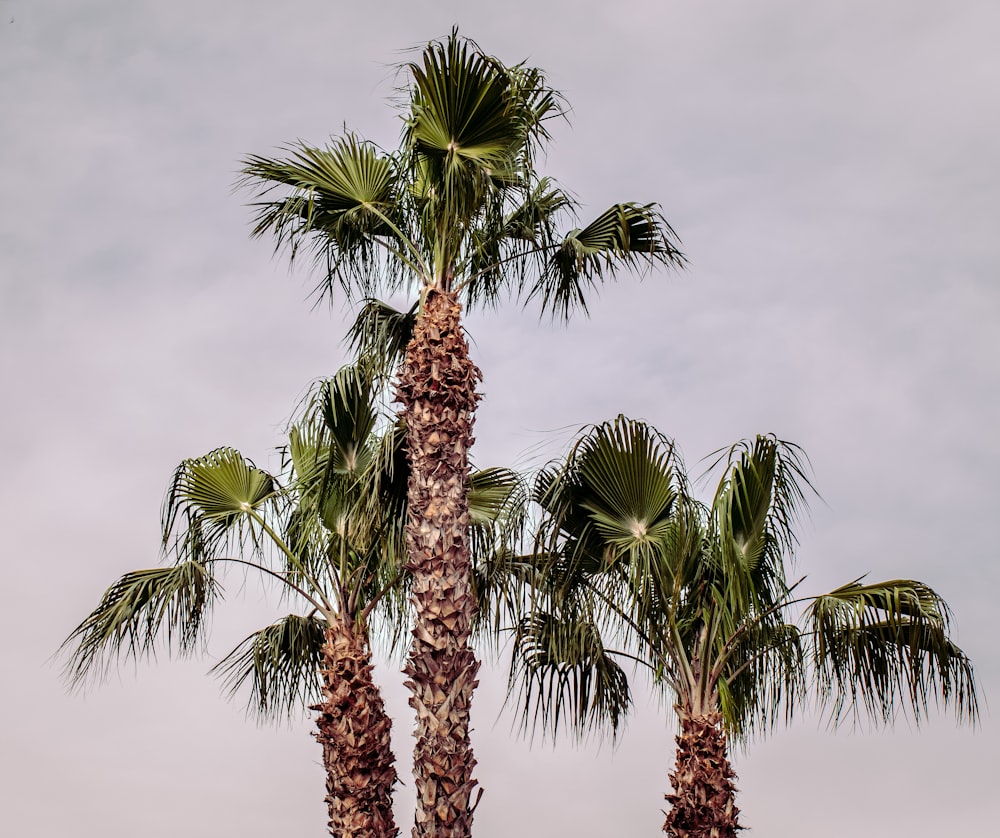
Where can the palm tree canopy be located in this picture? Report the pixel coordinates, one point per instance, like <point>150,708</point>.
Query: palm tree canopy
<point>327,528</point>
<point>629,568</point>
<point>459,204</point>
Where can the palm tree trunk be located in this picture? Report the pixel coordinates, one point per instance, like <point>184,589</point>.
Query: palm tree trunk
<point>354,733</point>
<point>703,804</point>
<point>437,388</point>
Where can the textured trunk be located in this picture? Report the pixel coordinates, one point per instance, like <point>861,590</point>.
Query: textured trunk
<point>438,391</point>
<point>354,733</point>
<point>703,804</point>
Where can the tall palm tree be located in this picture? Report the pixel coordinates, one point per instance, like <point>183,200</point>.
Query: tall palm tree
<point>329,532</point>
<point>457,215</point>
<point>631,569</point>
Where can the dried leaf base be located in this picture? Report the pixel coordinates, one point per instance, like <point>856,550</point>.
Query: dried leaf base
<point>703,804</point>
<point>437,388</point>
<point>354,731</point>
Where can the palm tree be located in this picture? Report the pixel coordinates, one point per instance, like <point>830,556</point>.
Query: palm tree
<point>631,569</point>
<point>457,215</point>
<point>330,534</point>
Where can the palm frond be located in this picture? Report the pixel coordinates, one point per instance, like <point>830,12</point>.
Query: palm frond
<point>764,680</point>
<point>380,334</point>
<point>341,199</point>
<point>626,235</point>
<point>279,666</point>
<point>565,678</point>
<point>141,608</point>
<point>220,487</point>
<point>498,500</point>
<point>885,646</point>
<point>349,417</point>
<point>466,126</point>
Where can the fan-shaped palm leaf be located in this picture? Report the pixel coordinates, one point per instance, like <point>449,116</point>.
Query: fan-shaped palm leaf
<point>346,193</point>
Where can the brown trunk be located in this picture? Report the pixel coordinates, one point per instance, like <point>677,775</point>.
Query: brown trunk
<point>438,391</point>
<point>354,733</point>
<point>703,804</point>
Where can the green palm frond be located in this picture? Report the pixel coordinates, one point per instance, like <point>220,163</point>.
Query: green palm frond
<point>885,645</point>
<point>383,487</point>
<point>141,608</point>
<point>762,495</point>
<point>764,679</point>
<point>220,487</point>
<point>380,334</point>
<point>307,455</point>
<point>467,126</point>
<point>629,235</point>
<point>612,502</point>
<point>349,417</point>
<point>279,666</point>
<point>492,492</point>
<point>565,678</point>
<point>498,501</point>
<point>626,482</point>
<point>343,199</point>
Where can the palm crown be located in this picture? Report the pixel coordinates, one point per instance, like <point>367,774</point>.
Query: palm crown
<point>630,569</point>
<point>459,205</point>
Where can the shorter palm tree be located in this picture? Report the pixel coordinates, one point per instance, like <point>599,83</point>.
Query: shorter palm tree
<point>629,568</point>
<point>329,531</point>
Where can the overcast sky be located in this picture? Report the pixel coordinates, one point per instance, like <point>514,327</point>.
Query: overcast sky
<point>832,172</point>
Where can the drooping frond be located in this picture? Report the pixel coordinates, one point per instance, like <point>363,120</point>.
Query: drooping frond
<point>764,679</point>
<point>565,678</point>
<point>278,665</point>
<point>140,609</point>
<point>379,336</point>
<point>628,235</point>
<point>509,248</point>
<point>885,647</point>
<point>497,508</point>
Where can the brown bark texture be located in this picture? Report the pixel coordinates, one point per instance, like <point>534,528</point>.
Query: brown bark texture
<point>437,389</point>
<point>703,804</point>
<point>354,732</point>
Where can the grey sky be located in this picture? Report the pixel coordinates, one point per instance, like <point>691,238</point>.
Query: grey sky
<point>832,172</point>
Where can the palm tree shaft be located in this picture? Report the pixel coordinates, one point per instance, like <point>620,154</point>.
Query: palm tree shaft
<point>354,733</point>
<point>703,804</point>
<point>437,388</point>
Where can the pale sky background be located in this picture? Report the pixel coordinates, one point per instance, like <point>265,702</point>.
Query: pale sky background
<point>832,171</point>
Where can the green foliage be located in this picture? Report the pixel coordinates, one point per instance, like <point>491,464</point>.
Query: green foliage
<point>136,611</point>
<point>458,205</point>
<point>886,645</point>
<point>328,529</point>
<point>698,595</point>
<point>278,666</point>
